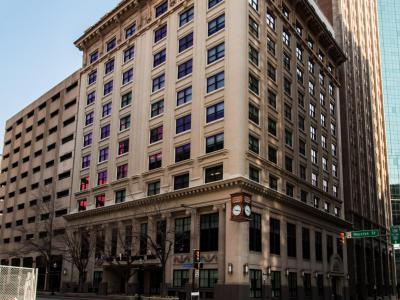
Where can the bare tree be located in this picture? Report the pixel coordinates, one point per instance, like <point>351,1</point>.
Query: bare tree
<point>78,250</point>
<point>153,241</point>
<point>46,243</point>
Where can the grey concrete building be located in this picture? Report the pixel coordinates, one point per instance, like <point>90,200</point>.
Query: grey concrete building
<point>35,181</point>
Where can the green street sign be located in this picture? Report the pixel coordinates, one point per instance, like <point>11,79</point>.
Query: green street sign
<point>362,234</point>
<point>395,234</point>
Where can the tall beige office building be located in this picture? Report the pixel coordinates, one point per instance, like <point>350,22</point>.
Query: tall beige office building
<point>366,194</point>
<point>216,123</point>
<point>35,180</point>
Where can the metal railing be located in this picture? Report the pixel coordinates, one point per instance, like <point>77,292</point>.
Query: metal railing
<point>18,283</point>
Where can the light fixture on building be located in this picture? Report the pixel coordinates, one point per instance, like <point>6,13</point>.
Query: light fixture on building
<point>65,272</point>
<point>269,271</point>
<point>287,272</point>
<point>230,268</point>
<point>328,275</point>
<point>245,269</point>
<point>316,274</point>
<point>302,273</point>
<point>348,276</point>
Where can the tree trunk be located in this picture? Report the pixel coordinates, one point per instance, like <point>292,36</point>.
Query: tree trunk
<point>81,280</point>
<point>163,287</point>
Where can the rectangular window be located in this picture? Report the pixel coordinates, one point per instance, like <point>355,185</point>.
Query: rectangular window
<point>185,68</point>
<point>255,283</point>
<point>102,178</point>
<point>92,77</point>
<point>215,53</point>
<point>320,285</point>
<point>156,134</point>
<point>208,278</point>
<point>109,66</point>
<point>181,181</point>
<point>291,239</point>
<point>183,124</point>
<point>106,109</point>
<point>100,200</point>
<point>86,161</point>
<point>122,171</point>
<point>271,19</point>
<point>186,42</point>
<point>275,236</point>
<point>155,161</point>
<point>209,232</point>
<point>271,72</point>
<point>105,131</point>
<point>94,56</point>
<point>254,174</point>
<point>181,278</point>
<point>108,87</point>
<point>120,196</point>
<point>130,31</point>
<point>215,112</point>
<point>215,82</point>
<point>254,114</point>
<point>125,123</point>
<point>161,9</point>
<point>158,83</point>
<point>254,84</point>
<point>123,147</point>
<point>157,108</point>
<point>182,153</point>
<point>111,44</point>
<point>214,174</point>
<point>215,142</point>
<point>272,154</point>
<point>318,246</point>
<point>255,239</point>
<point>254,27</point>
<point>216,24</point>
<point>159,58</point>
<point>276,284</point>
<point>272,127</point>
<point>254,144</point>
<point>126,99</point>
<point>182,235</point>
<point>89,118</point>
<point>129,54</point>
<point>127,76</point>
<point>307,285</point>
<point>212,3</point>
<point>292,284</point>
<point>91,97</point>
<point>186,16</point>
<point>153,188</point>
<point>160,33</point>
<point>103,154</point>
<point>184,96</point>
<point>306,243</point>
<point>253,55</point>
<point>254,4</point>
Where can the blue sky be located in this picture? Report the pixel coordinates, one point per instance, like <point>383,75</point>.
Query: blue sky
<point>37,47</point>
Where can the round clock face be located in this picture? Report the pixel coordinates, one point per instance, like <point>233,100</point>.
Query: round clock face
<point>236,210</point>
<point>247,210</point>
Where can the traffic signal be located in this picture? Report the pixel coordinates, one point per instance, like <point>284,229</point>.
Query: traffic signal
<point>196,259</point>
<point>342,237</point>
